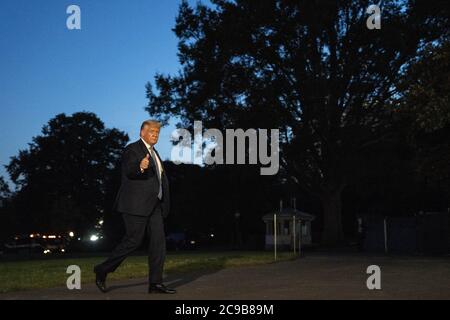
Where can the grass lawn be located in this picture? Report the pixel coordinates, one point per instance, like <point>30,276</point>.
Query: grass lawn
<point>48,273</point>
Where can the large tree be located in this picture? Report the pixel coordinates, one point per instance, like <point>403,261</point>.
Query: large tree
<point>5,192</point>
<point>67,177</point>
<point>5,195</point>
<point>425,104</point>
<point>310,68</point>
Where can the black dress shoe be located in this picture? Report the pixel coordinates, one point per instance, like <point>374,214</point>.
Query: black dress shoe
<point>100,281</point>
<point>160,288</point>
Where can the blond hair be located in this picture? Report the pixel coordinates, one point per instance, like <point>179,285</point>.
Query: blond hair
<point>151,123</point>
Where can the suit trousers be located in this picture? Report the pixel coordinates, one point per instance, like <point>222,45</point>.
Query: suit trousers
<point>135,229</point>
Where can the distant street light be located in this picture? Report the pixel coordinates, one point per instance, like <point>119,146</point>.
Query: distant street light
<point>237,230</point>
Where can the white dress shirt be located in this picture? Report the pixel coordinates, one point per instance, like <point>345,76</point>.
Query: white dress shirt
<point>154,156</point>
<point>158,163</point>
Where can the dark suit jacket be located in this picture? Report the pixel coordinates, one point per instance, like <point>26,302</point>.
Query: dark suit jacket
<point>138,194</point>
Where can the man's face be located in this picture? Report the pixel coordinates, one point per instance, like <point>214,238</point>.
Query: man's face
<point>150,134</point>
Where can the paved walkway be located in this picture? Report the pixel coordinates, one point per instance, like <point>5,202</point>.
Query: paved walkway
<point>311,277</point>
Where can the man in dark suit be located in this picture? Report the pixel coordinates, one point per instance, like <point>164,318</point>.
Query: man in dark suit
<point>143,200</point>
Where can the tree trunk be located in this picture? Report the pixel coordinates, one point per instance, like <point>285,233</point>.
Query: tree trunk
<point>332,224</point>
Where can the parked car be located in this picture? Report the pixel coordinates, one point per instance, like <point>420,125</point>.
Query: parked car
<point>181,241</point>
<point>36,244</point>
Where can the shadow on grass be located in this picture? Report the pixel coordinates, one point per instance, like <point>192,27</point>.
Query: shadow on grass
<point>185,274</point>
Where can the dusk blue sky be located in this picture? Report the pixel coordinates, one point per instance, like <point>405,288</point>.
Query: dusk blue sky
<point>46,69</point>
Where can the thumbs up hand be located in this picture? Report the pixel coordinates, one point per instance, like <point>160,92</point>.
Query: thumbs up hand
<point>145,162</point>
